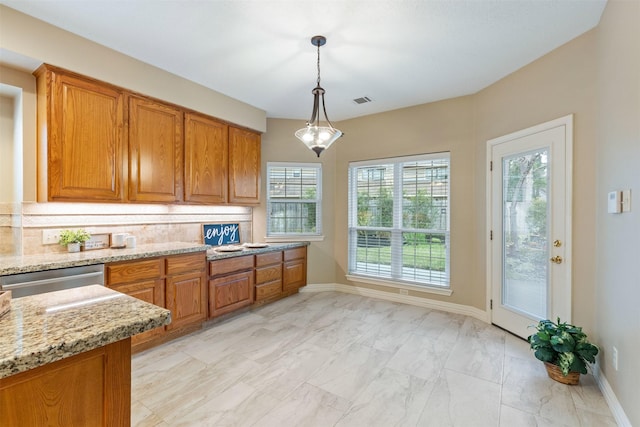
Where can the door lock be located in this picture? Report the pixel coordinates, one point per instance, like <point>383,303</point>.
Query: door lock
<point>557,243</point>
<point>557,259</point>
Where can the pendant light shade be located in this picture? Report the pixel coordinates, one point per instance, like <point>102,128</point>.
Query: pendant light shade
<point>315,136</point>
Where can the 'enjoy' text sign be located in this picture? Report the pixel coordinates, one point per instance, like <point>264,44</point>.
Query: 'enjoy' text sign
<point>221,234</point>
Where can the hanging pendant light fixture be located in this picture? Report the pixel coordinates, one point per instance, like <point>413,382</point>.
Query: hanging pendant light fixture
<point>318,138</point>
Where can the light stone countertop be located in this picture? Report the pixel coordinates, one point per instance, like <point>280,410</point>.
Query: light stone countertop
<point>213,254</point>
<point>28,263</point>
<point>44,328</point>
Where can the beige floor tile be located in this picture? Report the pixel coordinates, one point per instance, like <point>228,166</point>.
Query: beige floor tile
<point>327,359</point>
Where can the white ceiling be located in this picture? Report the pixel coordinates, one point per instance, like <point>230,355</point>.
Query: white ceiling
<point>397,52</point>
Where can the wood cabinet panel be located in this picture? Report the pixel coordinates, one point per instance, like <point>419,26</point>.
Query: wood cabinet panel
<point>268,290</point>
<point>155,151</point>
<point>295,253</point>
<point>268,274</point>
<point>186,297</point>
<point>151,291</point>
<point>132,271</point>
<point>268,258</point>
<point>229,265</point>
<point>81,128</point>
<point>88,389</point>
<point>206,159</point>
<point>231,292</point>
<point>244,167</point>
<point>186,263</point>
<point>294,275</point>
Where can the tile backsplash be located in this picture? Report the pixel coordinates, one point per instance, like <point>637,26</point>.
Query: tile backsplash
<point>21,225</point>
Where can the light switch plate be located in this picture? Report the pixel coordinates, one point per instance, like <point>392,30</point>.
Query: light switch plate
<point>613,202</point>
<point>626,200</point>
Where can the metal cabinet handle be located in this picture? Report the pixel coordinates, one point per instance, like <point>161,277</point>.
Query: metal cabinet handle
<point>557,259</point>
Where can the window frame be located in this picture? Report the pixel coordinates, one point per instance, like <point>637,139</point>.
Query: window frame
<point>396,277</point>
<point>270,201</point>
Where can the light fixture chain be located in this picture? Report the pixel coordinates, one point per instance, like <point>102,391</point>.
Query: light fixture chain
<point>318,64</point>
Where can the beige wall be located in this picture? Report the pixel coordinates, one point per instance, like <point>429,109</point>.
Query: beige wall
<point>618,167</point>
<point>25,84</point>
<point>42,42</point>
<point>429,128</point>
<point>558,84</point>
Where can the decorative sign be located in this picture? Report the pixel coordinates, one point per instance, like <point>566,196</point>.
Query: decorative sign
<point>97,241</point>
<point>221,234</point>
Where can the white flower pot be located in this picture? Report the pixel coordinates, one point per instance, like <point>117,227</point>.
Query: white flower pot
<point>73,247</point>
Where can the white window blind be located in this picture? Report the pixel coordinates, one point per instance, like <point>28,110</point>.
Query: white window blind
<point>294,199</point>
<point>399,219</point>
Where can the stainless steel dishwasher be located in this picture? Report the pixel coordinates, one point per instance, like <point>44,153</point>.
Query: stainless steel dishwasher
<point>24,284</point>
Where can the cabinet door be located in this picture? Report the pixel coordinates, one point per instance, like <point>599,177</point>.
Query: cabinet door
<point>151,291</point>
<point>294,269</point>
<point>294,275</point>
<point>244,167</point>
<point>155,151</point>
<point>186,297</point>
<point>88,389</point>
<point>206,160</point>
<point>81,124</point>
<point>228,293</point>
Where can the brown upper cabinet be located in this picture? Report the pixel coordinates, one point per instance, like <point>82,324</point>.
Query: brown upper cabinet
<point>81,138</point>
<point>101,143</point>
<point>244,166</point>
<point>206,148</point>
<point>155,151</point>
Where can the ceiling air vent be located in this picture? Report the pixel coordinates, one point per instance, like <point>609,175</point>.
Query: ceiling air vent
<point>362,100</point>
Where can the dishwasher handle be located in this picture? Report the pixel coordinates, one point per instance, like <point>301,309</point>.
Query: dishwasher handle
<point>50,281</point>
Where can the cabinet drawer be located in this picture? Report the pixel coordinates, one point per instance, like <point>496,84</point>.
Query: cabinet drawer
<point>268,290</point>
<point>296,253</point>
<point>134,271</point>
<point>268,258</point>
<point>186,263</point>
<point>225,266</point>
<point>267,274</point>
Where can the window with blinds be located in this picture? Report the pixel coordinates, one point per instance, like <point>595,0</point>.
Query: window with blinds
<point>294,199</point>
<point>399,219</point>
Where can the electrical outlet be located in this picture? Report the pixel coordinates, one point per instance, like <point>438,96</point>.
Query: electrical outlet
<point>403,292</point>
<point>614,358</point>
<point>51,236</point>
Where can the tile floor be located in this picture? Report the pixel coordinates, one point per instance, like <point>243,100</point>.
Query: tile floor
<point>335,359</point>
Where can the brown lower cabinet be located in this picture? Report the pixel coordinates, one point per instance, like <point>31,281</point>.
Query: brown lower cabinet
<point>88,389</point>
<point>268,275</point>
<point>176,282</point>
<point>179,283</point>
<point>247,280</point>
<point>230,284</point>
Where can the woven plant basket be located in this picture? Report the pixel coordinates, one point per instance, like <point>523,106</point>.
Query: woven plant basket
<point>555,373</point>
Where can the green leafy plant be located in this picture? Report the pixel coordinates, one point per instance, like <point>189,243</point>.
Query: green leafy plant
<point>73,236</point>
<point>563,345</point>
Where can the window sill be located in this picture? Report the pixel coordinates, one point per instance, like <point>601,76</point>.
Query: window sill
<point>399,285</point>
<point>294,238</point>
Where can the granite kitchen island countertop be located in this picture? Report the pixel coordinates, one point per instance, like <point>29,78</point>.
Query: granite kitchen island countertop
<point>29,263</point>
<point>44,328</point>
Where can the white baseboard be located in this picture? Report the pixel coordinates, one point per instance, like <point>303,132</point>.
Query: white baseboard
<point>406,299</point>
<point>610,397</point>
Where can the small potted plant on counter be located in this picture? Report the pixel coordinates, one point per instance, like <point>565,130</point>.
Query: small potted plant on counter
<point>72,239</point>
<point>564,349</point>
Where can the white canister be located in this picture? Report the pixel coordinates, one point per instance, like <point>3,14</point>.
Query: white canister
<point>118,240</point>
<point>131,241</point>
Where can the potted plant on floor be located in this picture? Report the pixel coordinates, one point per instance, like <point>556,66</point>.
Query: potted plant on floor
<point>564,349</point>
<point>72,239</point>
